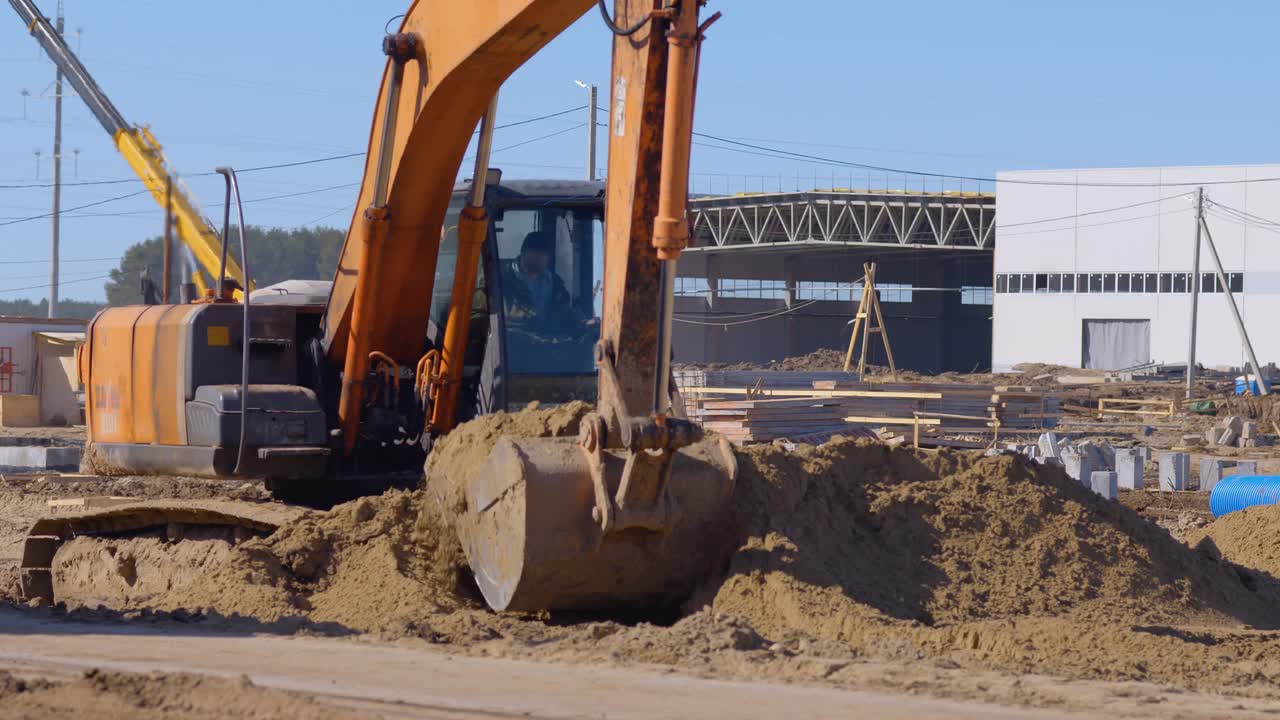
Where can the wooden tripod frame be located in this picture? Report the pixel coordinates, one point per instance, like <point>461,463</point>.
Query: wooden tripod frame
<point>865,323</point>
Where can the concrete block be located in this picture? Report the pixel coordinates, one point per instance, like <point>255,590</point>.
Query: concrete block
<point>1105,484</point>
<point>1129,467</point>
<point>1079,466</point>
<point>1245,467</point>
<point>1211,470</point>
<point>1234,423</point>
<point>39,458</point>
<point>1192,440</point>
<point>1228,437</point>
<point>1146,454</point>
<point>19,410</point>
<point>1249,430</point>
<point>1048,444</point>
<point>1175,468</point>
<point>1212,434</point>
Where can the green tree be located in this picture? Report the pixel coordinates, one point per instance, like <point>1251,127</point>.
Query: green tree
<point>274,255</point>
<point>81,309</point>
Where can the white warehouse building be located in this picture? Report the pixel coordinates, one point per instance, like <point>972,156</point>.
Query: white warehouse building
<point>1094,267</point>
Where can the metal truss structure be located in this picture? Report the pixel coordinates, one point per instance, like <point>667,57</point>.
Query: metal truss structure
<point>839,217</point>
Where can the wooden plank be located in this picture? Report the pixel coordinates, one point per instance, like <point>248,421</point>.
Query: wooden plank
<point>783,392</point>
<point>891,420</point>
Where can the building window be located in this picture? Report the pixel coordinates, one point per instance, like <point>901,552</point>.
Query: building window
<point>1208,283</point>
<point>1180,282</point>
<point>1042,282</point>
<point>1028,282</point>
<point>1015,283</point>
<point>1002,283</point>
<point>894,292</point>
<point>1151,283</point>
<point>1055,282</point>
<point>1068,282</point>
<point>1122,283</point>
<point>1237,282</point>
<point>974,295</point>
<point>1108,282</point>
<point>1095,282</point>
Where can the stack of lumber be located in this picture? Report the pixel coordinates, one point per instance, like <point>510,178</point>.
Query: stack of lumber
<point>765,420</point>
<point>938,407</point>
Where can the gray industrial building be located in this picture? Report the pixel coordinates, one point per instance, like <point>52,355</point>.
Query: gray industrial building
<point>1095,266</point>
<point>775,275</point>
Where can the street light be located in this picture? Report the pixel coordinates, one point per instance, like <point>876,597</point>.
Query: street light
<point>591,127</point>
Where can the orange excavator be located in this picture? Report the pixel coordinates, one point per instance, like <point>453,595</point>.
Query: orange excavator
<point>450,302</point>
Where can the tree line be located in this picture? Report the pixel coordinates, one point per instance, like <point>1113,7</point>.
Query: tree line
<point>274,255</point>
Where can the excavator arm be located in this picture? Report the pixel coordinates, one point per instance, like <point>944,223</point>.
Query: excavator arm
<point>445,66</point>
<point>624,514</point>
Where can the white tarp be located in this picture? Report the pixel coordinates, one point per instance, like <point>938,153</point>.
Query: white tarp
<point>57,378</point>
<point>1116,344</point>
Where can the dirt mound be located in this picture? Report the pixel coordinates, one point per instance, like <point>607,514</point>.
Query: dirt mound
<point>88,572</point>
<point>110,696</point>
<point>1249,537</point>
<point>387,564</point>
<point>848,535</point>
<point>1266,410</point>
<point>848,548</point>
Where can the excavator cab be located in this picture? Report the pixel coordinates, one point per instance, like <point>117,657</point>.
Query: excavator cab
<point>536,309</point>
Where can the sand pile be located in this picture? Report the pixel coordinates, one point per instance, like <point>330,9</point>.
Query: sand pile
<point>850,535</point>
<point>1249,537</point>
<point>125,696</point>
<point>388,564</point>
<point>991,562</point>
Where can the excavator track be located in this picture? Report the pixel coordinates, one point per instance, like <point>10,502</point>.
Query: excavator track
<point>168,522</point>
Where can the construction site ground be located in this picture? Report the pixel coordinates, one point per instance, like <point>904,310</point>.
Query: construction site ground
<point>861,579</point>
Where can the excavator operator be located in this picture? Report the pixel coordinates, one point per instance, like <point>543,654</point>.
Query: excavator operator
<point>536,297</point>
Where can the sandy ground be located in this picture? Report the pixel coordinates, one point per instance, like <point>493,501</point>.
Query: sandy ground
<point>409,679</point>
<point>888,584</point>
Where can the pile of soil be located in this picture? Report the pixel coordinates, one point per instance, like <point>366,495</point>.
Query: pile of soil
<point>387,564</point>
<point>125,696</point>
<point>1265,410</point>
<point>846,548</point>
<point>1249,537</point>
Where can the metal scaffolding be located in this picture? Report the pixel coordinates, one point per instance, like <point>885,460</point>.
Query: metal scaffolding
<point>839,217</point>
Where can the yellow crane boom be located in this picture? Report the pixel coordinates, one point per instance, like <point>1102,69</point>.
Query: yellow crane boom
<point>139,149</point>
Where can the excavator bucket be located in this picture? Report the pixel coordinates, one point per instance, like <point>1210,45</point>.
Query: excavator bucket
<point>533,535</point>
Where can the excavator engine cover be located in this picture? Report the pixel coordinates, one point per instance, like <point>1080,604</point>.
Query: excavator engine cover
<point>533,543</point>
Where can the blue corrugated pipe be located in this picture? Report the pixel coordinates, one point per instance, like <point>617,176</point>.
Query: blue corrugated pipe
<point>1237,492</point>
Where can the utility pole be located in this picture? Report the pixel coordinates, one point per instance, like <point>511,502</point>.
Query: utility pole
<point>1263,388</point>
<point>591,133</point>
<point>591,127</point>
<point>1195,296</point>
<point>57,177</point>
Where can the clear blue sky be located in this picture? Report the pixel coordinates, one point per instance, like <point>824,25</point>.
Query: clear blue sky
<point>943,86</point>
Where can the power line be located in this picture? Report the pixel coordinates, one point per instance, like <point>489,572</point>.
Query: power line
<point>78,207</point>
<point>278,166</point>
<point>45,260</point>
<point>579,126</point>
<point>1000,225</point>
<point>1011,181</point>
<point>48,285</point>
<point>1117,221</point>
<point>1258,219</point>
